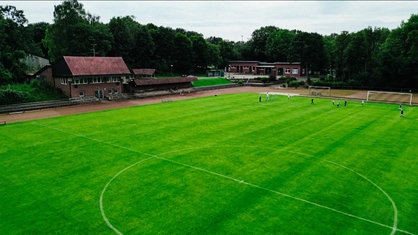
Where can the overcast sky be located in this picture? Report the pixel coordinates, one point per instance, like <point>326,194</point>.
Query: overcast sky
<point>236,20</point>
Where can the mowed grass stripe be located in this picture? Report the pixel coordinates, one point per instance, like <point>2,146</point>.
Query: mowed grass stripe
<point>244,139</point>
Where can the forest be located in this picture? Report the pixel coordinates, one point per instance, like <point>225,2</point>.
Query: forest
<point>377,58</point>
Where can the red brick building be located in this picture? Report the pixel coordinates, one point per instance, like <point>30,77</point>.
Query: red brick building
<point>79,77</point>
<point>263,68</point>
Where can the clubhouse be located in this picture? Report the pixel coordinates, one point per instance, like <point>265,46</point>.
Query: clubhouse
<point>87,77</point>
<point>288,69</point>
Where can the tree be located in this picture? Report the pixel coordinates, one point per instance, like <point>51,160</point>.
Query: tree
<point>75,32</point>
<point>399,55</point>
<point>227,51</point>
<point>12,45</point>
<point>144,47</point>
<point>37,33</point>
<point>258,42</point>
<point>200,53</point>
<point>163,39</point>
<point>278,45</point>
<point>124,32</point>
<point>308,48</point>
<point>341,42</point>
<point>330,53</point>
<point>183,54</point>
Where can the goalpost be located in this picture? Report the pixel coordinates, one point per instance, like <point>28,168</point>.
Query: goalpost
<point>319,90</point>
<point>388,96</point>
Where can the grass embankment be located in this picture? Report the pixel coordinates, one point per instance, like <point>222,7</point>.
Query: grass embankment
<point>22,93</point>
<point>210,82</point>
<point>224,164</point>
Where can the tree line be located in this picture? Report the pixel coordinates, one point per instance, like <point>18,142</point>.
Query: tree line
<point>372,57</point>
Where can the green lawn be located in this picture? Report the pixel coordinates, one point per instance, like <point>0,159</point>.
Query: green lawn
<point>224,164</point>
<point>210,82</point>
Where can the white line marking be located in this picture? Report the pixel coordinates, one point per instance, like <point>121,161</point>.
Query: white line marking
<point>104,189</point>
<point>394,227</point>
<point>395,209</point>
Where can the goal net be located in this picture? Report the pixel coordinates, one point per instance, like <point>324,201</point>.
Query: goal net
<point>319,90</point>
<point>391,97</point>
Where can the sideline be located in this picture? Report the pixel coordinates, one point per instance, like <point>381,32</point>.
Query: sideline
<point>108,105</point>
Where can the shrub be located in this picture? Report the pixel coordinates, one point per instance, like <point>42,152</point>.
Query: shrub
<point>294,84</point>
<point>264,79</point>
<point>9,96</point>
<point>36,84</point>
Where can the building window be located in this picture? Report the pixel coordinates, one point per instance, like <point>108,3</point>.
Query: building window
<point>287,71</point>
<point>81,94</point>
<point>63,81</point>
<point>115,91</point>
<point>295,71</point>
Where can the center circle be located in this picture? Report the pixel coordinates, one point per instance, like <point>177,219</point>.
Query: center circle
<point>190,182</point>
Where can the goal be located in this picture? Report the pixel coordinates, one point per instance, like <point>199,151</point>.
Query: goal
<point>391,97</point>
<point>319,90</point>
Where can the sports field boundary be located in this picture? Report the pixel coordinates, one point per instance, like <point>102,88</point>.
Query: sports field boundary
<point>107,105</point>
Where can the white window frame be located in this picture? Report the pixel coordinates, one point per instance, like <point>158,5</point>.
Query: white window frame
<point>63,81</point>
<point>295,71</point>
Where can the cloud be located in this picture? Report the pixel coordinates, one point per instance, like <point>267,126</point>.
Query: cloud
<point>234,20</point>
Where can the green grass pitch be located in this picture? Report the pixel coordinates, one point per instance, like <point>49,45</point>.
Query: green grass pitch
<point>224,164</point>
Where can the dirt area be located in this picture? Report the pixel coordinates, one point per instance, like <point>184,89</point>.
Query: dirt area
<point>104,105</point>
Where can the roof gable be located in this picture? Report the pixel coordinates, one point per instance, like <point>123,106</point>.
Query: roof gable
<point>81,66</point>
<point>161,81</point>
<point>147,72</point>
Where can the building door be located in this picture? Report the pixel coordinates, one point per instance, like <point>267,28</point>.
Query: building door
<point>280,71</point>
<point>99,94</point>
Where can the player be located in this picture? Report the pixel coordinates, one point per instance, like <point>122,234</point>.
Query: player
<point>401,112</point>
<point>333,102</point>
<point>259,98</point>
<point>362,102</point>
<point>267,96</point>
<point>312,101</point>
<point>345,103</point>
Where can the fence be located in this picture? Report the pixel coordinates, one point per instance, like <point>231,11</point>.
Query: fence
<point>33,106</point>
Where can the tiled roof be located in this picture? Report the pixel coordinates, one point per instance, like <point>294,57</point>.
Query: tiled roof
<point>149,72</point>
<point>159,81</point>
<point>80,65</point>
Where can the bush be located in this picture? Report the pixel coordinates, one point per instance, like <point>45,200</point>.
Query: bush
<point>272,78</point>
<point>295,84</point>
<point>35,91</point>
<point>284,79</point>
<point>35,83</point>
<point>9,96</point>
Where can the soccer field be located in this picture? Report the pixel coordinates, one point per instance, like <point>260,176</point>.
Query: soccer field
<point>224,164</point>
